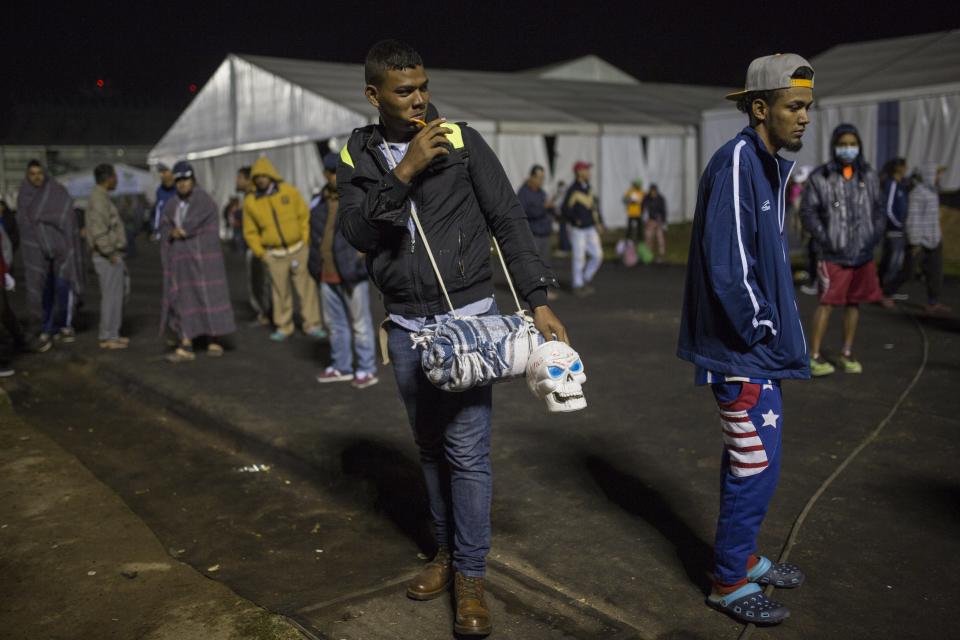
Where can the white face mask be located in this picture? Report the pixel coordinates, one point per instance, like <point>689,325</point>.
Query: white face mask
<point>846,154</point>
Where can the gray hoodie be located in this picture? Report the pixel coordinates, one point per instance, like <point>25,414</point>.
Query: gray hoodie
<point>923,210</point>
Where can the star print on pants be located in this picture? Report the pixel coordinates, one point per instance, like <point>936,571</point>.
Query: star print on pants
<point>770,419</point>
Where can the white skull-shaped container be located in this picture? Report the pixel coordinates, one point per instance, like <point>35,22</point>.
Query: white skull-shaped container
<point>555,375</point>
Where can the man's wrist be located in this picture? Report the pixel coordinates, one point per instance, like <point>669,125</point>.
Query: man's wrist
<point>537,299</point>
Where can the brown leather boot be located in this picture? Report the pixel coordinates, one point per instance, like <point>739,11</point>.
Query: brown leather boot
<point>434,580</point>
<point>473,616</point>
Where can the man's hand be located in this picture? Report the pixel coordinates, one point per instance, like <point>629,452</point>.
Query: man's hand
<point>114,259</point>
<point>429,143</point>
<point>178,234</point>
<point>549,324</point>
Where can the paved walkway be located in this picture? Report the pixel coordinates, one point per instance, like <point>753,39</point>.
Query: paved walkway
<point>607,515</point>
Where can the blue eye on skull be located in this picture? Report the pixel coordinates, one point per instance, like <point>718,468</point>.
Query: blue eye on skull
<point>555,372</point>
<point>576,367</point>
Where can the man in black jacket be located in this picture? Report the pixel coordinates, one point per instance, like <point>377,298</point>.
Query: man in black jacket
<point>414,160</point>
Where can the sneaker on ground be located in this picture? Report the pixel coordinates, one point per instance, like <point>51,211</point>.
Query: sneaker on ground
<point>317,332</point>
<point>900,297</point>
<point>6,372</point>
<point>279,336</point>
<point>332,375</point>
<point>820,367</point>
<point>67,335</point>
<point>364,380</point>
<point>214,350</point>
<point>937,308</point>
<point>42,344</point>
<point>887,302</point>
<point>114,343</point>
<point>850,364</point>
<point>181,355</point>
<point>808,289</point>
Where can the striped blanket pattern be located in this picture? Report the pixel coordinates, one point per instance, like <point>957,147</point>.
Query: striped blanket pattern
<point>463,353</point>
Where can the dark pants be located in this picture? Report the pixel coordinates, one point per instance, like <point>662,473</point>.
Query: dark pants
<point>891,263</point>
<point>57,304</point>
<point>11,334</point>
<point>634,229</point>
<point>452,431</point>
<point>931,264</point>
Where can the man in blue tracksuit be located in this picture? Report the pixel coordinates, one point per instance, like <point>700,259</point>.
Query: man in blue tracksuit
<point>740,324</point>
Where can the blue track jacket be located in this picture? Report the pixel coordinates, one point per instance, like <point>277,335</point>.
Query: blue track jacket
<point>740,312</point>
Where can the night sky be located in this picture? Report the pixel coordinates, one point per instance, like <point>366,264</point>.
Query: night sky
<point>153,52</point>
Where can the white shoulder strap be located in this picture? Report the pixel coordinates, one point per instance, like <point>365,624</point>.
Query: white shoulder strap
<point>392,163</point>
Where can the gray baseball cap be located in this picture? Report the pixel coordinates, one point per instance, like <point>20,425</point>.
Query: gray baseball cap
<point>773,72</point>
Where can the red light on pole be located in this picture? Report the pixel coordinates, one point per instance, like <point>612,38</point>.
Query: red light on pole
<point>100,83</point>
<point>192,88</point>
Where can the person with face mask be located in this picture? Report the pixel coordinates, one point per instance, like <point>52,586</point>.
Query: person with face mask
<point>842,211</point>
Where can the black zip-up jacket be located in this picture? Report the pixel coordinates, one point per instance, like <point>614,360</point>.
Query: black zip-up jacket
<point>458,197</point>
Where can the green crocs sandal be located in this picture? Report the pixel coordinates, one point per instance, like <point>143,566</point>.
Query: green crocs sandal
<point>850,364</point>
<point>820,367</point>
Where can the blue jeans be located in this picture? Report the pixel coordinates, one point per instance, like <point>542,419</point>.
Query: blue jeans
<point>452,431</point>
<point>751,416</point>
<point>585,242</point>
<point>57,304</point>
<point>346,312</point>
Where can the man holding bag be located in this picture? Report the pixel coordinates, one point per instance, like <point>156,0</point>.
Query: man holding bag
<point>414,161</point>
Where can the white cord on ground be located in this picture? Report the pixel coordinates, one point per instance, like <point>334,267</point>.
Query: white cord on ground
<point>795,530</point>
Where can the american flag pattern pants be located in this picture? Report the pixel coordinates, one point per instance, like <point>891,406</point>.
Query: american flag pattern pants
<point>751,420</point>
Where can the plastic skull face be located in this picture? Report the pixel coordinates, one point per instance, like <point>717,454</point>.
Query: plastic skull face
<point>555,375</point>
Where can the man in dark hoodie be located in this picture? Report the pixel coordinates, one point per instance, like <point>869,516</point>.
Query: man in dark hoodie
<point>841,209</point>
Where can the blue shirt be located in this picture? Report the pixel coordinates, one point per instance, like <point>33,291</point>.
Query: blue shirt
<point>394,153</point>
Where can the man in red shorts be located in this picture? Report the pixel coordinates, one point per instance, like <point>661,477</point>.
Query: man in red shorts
<point>841,209</point>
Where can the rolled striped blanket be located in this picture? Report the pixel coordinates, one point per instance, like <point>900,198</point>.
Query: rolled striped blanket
<point>463,353</point>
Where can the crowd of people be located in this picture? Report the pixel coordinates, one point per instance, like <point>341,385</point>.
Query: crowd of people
<point>290,248</point>
<point>410,204</point>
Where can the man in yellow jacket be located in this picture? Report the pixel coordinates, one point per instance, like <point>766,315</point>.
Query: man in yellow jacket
<point>276,226</point>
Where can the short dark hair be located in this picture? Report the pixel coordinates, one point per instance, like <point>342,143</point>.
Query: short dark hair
<point>245,171</point>
<point>102,173</point>
<point>534,169</point>
<point>389,55</point>
<point>34,163</point>
<point>745,102</point>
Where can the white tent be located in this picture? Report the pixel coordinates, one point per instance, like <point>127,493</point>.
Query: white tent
<point>903,94</point>
<point>130,181</point>
<point>257,105</point>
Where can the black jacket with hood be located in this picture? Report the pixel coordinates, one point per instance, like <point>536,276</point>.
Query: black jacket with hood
<point>459,198</point>
<point>845,217</point>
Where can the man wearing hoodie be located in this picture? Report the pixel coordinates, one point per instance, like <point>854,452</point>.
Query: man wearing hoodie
<point>740,326</point>
<point>276,226</point>
<point>925,237</point>
<point>841,210</point>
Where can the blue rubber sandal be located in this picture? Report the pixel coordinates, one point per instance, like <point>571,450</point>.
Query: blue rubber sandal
<point>782,575</point>
<point>748,604</point>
